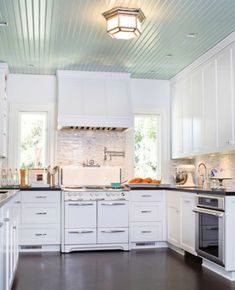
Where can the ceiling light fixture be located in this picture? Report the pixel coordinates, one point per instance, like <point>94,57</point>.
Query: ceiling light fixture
<point>124,23</point>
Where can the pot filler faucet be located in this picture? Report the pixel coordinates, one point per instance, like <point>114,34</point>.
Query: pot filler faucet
<point>202,177</point>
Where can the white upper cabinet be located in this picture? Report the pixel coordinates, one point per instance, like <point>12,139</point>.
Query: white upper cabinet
<point>92,99</point>
<point>196,104</point>
<point>177,127</point>
<point>187,116</point>
<point>209,126</point>
<point>224,99</point>
<point>208,106</point>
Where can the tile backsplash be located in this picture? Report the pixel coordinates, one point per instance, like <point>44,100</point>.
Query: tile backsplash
<point>76,147</point>
<point>221,162</point>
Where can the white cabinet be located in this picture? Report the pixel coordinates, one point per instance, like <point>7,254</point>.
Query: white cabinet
<point>209,125</point>
<point>173,217</point>
<point>187,116</point>
<point>147,220</point>
<point>188,222</point>
<point>224,99</point>
<point>9,216</point>
<point>203,101</point>
<point>176,121</point>
<point>181,220</point>
<point>3,110</point>
<point>40,220</point>
<point>196,104</point>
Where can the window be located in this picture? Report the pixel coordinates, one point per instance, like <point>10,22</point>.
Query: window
<point>33,139</point>
<point>147,146</point>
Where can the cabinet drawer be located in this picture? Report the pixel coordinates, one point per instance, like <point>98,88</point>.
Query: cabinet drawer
<point>39,214</point>
<point>80,236</point>
<point>112,235</point>
<point>141,212</point>
<point>40,196</point>
<point>146,195</point>
<point>39,235</point>
<point>146,233</point>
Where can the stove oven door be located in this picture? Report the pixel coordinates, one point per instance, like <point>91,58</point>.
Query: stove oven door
<point>80,214</point>
<point>113,222</point>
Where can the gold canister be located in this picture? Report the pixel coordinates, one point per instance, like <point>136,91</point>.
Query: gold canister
<point>23,177</point>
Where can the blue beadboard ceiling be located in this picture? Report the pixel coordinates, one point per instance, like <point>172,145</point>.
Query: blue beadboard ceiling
<point>45,35</point>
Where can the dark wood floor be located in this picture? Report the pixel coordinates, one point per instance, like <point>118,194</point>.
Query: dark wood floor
<point>160,269</point>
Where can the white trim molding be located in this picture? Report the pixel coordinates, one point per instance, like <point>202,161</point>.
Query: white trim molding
<point>14,126</point>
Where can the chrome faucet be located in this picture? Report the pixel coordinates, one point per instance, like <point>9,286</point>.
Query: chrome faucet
<point>202,177</point>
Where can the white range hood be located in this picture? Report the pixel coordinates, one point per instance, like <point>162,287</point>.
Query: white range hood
<point>94,101</point>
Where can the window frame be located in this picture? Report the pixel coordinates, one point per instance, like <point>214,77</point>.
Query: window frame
<point>46,144</point>
<point>159,147</point>
<point>14,131</point>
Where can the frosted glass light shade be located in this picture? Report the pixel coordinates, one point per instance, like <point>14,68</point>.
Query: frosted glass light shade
<point>124,23</point>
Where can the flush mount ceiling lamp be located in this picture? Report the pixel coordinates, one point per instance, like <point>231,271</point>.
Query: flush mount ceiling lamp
<point>124,23</point>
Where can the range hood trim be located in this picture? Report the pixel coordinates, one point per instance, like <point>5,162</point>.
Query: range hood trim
<point>65,121</point>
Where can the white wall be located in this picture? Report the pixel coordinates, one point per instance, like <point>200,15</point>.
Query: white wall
<point>39,89</point>
<point>148,96</point>
<point>153,97</point>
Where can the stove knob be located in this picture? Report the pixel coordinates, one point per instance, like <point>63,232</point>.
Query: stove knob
<point>80,194</point>
<point>96,193</point>
<point>107,194</point>
<point>91,194</point>
<point>113,194</point>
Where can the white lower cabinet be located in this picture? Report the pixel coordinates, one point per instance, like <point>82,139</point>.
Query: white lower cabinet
<point>9,253</point>
<point>147,220</point>
<point>40,220</point>
<point>181,220</point>
<point>188,222</point>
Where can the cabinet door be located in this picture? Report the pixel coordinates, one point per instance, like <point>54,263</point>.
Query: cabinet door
<point>2,264</point>
<point>176,118</point>
<point>209,126</point>
<point>196,104</point>
<point>173,225</point>
<point>188,229</point>
<point>187,116</point>
<point>224,99</point>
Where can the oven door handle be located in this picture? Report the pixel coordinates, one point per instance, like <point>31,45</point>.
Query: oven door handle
<point>210,212</point>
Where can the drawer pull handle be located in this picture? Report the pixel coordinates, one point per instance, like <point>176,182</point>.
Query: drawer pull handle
<point>40,235</point>
<point>18,202</point>
<point>81,204</point>
<point>186,201</point>
<point>41,196</point>
<point>113,203</point>
<point>146,211</point>
<point>6,220</point>
<point>81,232</point>
<point>146,195</point>
<point>41,213</point>
<point>146,232</point>
<point>112,231</point>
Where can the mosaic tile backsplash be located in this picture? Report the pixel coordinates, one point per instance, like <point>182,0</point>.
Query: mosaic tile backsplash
<point>223,163</point>
<point>77,147</point>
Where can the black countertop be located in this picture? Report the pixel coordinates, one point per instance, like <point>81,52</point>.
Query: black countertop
<point>186,189</point>
<point>57,188</point>
<point>157,187</point>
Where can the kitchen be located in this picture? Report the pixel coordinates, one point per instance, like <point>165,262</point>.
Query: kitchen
<point>113,117</point>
